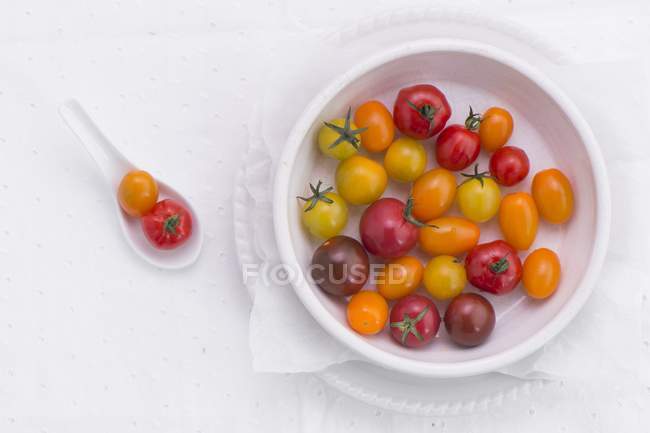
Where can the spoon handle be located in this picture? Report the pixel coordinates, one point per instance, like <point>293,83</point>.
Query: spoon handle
<point>110,161</point>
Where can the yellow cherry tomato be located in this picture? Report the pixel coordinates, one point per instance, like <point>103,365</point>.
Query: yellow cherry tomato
<point>445,277</point>
<point>339,138</point>
<point>324,213</point>
<point>478,197</point>
<point>137,193</point>
<point>360,180</point>
<point>541,273</point>
<point>381,130</point>
<point>495,128</point>
<point>433,194</point>
<point>453,236</point>
<point>400,277</point>
<point>553,195</point>
<point>518,219</point>
<point>405,159</point>
<point>367,312</point>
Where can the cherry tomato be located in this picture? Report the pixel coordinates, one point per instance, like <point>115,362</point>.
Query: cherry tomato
<point>433,194</point>
<point>340,138</point>
<point>458,146</point>
<point>478,197</point>
<point>509,165</point>
<point>400,277</point>
<point>325,213</point>
<point>469,319</point>
<point>421,111</point>
<point>414,321</point>
<point>405,160</point>
<point>541,273</point>
<point>137,193</point>
<point>381,130</point>
<point>360,180</point>
<point>553,195</point>
<point>493,267</point>
<point>444,277</point>
<point>168,225</point>
<point>388,229</point>
<point>367,312</point>
<point>340,266</point>
<point>518,220</point>
<point>496,128</point>
<point>453,236</point>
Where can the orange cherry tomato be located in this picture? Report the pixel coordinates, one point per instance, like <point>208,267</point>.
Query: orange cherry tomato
<point>433,194</point>
<point>137,193</point>
<point>452,237</point>
<point>400,277</point>
<point>518,219</point>
<point>541,273</point>
<point>495,128</point>
<point>381,130</point>
<point>553,195</point>
<point>367,312</point>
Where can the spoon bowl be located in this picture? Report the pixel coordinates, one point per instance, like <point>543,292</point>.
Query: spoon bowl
<point>114,166</point>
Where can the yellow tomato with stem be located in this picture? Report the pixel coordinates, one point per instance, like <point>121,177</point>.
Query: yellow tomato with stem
<point>324,213</point>
<point>478,197</point>
<point>340,138</point>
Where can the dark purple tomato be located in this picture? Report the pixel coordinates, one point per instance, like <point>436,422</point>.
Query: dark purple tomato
<point>340,266</point>
<point>469,319</point>
<point>509,165</point>
<point>414,321</point>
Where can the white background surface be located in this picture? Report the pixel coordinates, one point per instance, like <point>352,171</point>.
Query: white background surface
<point>92,338</point>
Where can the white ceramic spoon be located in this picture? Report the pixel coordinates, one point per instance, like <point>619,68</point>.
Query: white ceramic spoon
<point>114,166</point>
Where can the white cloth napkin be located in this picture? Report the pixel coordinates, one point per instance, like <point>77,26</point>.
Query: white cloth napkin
<point>608,335</point>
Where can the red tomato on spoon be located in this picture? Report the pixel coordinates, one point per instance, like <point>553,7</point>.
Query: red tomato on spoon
<point>421,111</point>
<point>168,225</point>
<point>388,229</point>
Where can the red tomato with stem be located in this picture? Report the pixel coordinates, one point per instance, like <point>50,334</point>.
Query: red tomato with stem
<point>421,111</point>
<point>414,321</point>
<point>458,146</point>
<point>388,229</point>
<point>168,225</point>
<point>494,267</point>
<point>509,165</point>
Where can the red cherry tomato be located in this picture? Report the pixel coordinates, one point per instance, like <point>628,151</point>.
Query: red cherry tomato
<point>414,321</point>
<point>388,229</point>
<point>509,165</point>
<point>493,267</point>
<point>421,111</point>
<point>458,146</point>
<point>168,225</point>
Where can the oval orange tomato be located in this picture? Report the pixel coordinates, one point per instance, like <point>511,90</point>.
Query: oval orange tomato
<point>367,312</point>
<point>541,273</point>
<point>518,219</point>
<point>401,277</point>
<point>381,130</point>
<point>553,195</point>
<point>137,193</point>
<point>452,236</point>
<point>433,194</point>
<point>495,128</point>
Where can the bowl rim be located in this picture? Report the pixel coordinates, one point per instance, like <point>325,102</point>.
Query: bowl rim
<point>344,334</point>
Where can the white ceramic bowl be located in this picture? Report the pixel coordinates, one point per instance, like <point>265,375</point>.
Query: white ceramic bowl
<point>547,125</point>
